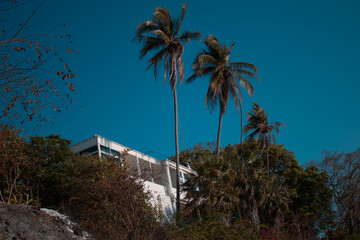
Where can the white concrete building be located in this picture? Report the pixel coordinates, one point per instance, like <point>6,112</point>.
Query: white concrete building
<point>159,176</point>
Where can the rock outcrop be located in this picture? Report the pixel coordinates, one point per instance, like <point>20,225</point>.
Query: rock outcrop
<point>19,222</point>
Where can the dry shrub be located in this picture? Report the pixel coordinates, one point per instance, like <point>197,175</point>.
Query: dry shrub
<point>116,207</point>
<point>15,162</point>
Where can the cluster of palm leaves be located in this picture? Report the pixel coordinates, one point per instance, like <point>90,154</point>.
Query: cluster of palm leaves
<point>161,35</point>
<point>236,187</point>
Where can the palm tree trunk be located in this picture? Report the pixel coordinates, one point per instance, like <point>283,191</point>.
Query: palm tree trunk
<point>177,156</point>
<point>267,160</point>
<point>241,124</point>
<point>219,133</point>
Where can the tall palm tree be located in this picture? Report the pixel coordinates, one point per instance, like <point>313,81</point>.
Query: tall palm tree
<point>161,34</point>
<point>262,129</point>
<point>224,77</point>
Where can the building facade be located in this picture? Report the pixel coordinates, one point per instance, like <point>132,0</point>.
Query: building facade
<point>159,176</point>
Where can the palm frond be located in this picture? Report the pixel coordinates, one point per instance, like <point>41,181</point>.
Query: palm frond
<point>224,54</point>
<point>162,36</point>
<point>234,92</point>
<point>204,60</point>
<point>216,81</point>
<point>279,124</point>
<point>245,65</point>
<point>178,21</point>
<point>150,44</point>
<point>245,84</point>
<point>224,92</point>
<point>255,107</point>
<point>145,27</point>
<point>156,59</point>
<point>276,126</point>
<point>163,18</point>
<point>200,72</point>
<point>220,67</point>
<point>173,71</point>
<point>166,66</point>
<point>246,73</point>
<point>189,36</point>
<point>211,100</point>
<point>231,47</point>
<point>180,63</point>
<point>271,137</point>
<point>214,46</point>
<point>253,134</point>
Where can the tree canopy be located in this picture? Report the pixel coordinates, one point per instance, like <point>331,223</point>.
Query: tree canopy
<point>237,185</point>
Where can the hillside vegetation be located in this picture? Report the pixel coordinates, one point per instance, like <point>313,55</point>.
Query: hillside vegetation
<point>233,196</point>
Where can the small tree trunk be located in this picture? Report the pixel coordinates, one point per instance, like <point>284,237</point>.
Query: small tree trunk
<point>177,157</point>
<point>218,135</point>
<point>254,214</point>
<point>349,224</point>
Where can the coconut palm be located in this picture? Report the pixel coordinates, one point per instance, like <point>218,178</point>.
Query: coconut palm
<point>162,36</point>
<point>262,129</point>
<point>224,77</point>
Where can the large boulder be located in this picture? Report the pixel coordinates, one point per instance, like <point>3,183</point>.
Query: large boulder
<point>19,222</point>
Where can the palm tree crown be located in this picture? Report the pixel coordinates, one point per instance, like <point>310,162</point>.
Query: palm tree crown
<point>224,76</point>
<point>162,34</point>
<point>262,129</point>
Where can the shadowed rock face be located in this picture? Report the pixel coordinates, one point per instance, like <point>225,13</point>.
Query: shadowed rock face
<point>19,222</point>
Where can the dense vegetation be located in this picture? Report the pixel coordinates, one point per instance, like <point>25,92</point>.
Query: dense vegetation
<point>294,200</point>
<point>100,194</point>
<point>232,197</point>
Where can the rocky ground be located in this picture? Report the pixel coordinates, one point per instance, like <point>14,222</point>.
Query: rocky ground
<point>19,222</point>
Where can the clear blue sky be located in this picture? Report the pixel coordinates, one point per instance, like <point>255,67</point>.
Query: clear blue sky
<point>308,54</point>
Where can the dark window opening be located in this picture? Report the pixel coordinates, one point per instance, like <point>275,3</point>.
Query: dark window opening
<point>109,151</point>
<point>89,150</point>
